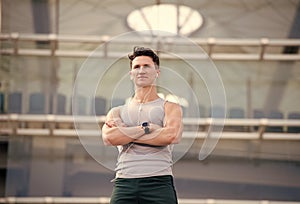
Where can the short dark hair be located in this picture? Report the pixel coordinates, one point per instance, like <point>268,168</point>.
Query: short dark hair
<point>142,51</point>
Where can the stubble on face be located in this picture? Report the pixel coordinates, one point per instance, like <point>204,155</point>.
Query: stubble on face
<point>143,71</point>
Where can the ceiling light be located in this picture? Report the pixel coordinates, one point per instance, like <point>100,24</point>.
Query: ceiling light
<point>170,18</point>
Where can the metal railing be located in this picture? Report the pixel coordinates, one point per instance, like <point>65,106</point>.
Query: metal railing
<point>105,200</point>
<point>63,126</point>
<point>215,48</point>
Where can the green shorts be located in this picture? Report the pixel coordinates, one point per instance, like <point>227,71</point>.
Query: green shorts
<point>152,190</point>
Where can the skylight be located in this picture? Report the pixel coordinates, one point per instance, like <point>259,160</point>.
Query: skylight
<point>169,18</point>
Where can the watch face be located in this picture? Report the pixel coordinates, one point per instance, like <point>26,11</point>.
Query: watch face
<point>145,124</point>
<point>147,130</point>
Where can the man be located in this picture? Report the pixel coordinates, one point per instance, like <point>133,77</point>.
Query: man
<point>144,130</point>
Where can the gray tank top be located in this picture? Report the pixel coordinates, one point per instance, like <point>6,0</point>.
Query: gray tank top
<point>135,160</point>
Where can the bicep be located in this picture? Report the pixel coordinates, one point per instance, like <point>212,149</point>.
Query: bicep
<point>173,120</point>
<point>173,115</point>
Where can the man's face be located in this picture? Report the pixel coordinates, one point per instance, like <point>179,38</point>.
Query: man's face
<point>143,71</point>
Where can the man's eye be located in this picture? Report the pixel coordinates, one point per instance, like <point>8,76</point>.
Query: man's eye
<point>146,66</point>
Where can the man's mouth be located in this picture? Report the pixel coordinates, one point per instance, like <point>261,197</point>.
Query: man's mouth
<point>142,77</point>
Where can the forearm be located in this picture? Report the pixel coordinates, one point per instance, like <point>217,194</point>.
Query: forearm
<point>121,135</point>
<point>159,137</point>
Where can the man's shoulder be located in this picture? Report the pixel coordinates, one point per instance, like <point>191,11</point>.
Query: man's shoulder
<point>116,109</point>
<point>171,105</point>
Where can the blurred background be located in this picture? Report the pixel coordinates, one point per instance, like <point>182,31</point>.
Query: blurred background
<point>254,46</point>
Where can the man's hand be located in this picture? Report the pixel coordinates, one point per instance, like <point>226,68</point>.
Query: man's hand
<point>117,122</point>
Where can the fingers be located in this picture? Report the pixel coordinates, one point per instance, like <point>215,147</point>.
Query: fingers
<point>109,124</point>
<point>115,123</point>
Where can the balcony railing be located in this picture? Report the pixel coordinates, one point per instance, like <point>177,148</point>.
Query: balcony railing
<point>213,48</point>
<point>63,126</point>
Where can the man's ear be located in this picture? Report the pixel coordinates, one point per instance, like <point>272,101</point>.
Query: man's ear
<point>130,74</point>
<point>157,73</point>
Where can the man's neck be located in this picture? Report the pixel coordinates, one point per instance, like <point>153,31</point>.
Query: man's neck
<point>145,94</point>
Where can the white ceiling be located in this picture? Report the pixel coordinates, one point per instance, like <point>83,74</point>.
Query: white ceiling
<point>222,18</point>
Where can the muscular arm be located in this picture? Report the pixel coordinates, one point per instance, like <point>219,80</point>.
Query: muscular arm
<point>114,131</point>
<point>171,132</point>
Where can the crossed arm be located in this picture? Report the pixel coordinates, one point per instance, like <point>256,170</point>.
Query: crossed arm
<point>115,132</point>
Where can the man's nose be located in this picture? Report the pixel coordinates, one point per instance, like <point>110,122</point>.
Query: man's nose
<point>142,69</point>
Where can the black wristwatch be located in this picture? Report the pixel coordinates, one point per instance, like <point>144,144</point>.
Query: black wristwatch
<point>145,126</point>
